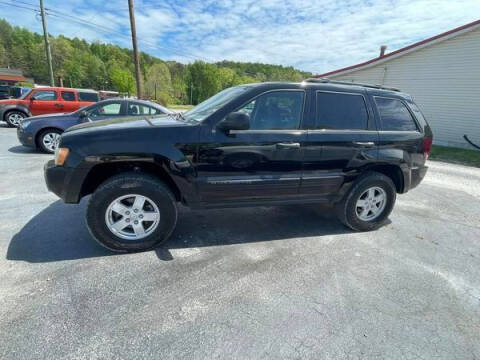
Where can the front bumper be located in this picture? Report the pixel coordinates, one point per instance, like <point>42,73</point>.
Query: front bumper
<point>25,138</point>
<point>63,182</point>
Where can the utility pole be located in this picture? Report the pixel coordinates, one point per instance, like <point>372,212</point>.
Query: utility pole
<point>135,50</point>
<point>191,92</point>
<point>47,43</point>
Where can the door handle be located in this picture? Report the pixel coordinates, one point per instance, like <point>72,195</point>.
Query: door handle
<point>288,145</point>
<point>59,105</point>
<point>364,143</point>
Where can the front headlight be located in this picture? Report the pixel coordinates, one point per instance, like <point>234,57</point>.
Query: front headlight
<point>25,123</point>
<point>61,155</point>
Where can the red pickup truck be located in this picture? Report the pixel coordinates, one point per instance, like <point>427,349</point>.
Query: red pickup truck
<point>45,100</point>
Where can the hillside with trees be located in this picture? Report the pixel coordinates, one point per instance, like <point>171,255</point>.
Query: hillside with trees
<point>105,66</point>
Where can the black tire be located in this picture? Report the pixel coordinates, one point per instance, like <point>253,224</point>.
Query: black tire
<point>346,209</point>
<point>125,184</point>
<point>10,121</point>
<point>40,139</point>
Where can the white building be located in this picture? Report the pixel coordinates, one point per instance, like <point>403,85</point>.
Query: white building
<point>442,74</point>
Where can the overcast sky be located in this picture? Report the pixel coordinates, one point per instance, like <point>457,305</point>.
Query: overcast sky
<point>312,35</point>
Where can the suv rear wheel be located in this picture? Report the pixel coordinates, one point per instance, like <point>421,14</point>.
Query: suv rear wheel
<point>14,117</point>
<point>131,212</point>
<point>368,203</point>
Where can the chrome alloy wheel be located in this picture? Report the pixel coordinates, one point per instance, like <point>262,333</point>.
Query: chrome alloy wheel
<point>132,217</point>
<point>15,118</point>
<point>50,141</point>
<point>371,203</point>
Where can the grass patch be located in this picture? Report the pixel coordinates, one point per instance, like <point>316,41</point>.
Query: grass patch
<point>455,155</point>
<point>180,107</point>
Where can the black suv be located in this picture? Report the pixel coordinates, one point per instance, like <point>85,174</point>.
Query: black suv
<point>353,145</point>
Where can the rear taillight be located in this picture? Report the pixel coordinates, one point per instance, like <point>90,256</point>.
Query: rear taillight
<point>427,146</point>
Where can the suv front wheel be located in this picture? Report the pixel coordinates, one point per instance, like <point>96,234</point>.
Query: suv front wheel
<point>14,117</point>
<point>368,203</point>
<point>131,212</point>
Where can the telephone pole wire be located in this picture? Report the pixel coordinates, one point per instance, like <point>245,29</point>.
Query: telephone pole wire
<point>135,50</point>
<point>47,44</point>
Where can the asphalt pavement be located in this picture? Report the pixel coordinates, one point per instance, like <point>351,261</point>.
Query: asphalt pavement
<point>287,282</point>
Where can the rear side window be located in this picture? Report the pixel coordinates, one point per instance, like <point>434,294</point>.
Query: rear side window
<point>138,109</point>
<point>394,115</point>
<point>88,96</point>
<point>341,111</point>
<point>68,95</point>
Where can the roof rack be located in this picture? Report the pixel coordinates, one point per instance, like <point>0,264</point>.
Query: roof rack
<point>328,81</point>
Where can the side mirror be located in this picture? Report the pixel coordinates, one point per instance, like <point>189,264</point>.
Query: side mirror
<point>235,121</point>
<point>83,114</point>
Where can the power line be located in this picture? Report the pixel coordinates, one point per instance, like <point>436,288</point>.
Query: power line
<point>19,6</point>
<point>104,29</point>
<point>109,30</point>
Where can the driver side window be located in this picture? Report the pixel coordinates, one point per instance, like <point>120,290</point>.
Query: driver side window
<point>276,110</point>
<point>45,95</point>
<point>112,109</point>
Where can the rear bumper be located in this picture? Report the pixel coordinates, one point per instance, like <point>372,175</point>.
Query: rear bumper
<point>417,175</point>
<point>63,182</point>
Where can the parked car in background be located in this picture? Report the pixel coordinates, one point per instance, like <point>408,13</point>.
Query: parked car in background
<point>44,131</point>
<point>45,100</point>
<point>104,94</point>
<point>347,144</point>
<point>17,92</point>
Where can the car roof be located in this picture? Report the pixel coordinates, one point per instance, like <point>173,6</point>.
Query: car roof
<point>64,88</point>
<point>136,101</point>
<point>332,86</point>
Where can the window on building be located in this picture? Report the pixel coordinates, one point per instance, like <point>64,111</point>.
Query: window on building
<point>394,115</point>
<point>341,111</point>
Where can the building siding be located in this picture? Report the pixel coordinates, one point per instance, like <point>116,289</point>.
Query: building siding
<point>444,80</point>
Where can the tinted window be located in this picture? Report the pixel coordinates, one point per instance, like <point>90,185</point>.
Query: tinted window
<point>418,114</point>
<point>45,95</point>
<point>394,115</point>
<point>276,110</point>
<point>341,111</point>
<point>88,96</point>
<point>68,96</point>
<point>111,109</point>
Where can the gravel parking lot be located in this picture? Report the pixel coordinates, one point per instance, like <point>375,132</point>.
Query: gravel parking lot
<point>253,283</point>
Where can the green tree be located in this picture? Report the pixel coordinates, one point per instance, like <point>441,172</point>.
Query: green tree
<point>204,79</point>
<point>123,80</point>
<point>158,77</point>
<point>98,65</point>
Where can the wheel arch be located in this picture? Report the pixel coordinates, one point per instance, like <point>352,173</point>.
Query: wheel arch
<point>101,172</point>
<point>394,172</point>
<point>42,130</point>
<point>9,108</point>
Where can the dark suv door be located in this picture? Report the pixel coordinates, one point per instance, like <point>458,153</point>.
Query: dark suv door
<point>263,162</point>
<point>341,139</point>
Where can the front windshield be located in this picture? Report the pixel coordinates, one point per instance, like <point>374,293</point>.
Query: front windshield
<point>25,94</point>
<point>209,106</point>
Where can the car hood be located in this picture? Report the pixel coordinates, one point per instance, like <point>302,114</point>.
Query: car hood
<point>50,116</point>
<point>131,122</point>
